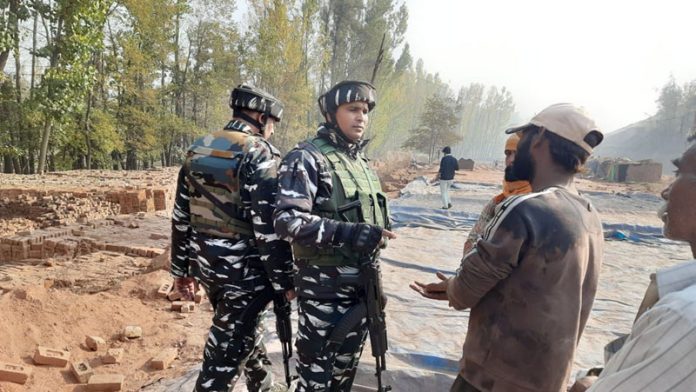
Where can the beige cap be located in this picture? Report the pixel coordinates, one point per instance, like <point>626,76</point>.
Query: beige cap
<point>567,121</point>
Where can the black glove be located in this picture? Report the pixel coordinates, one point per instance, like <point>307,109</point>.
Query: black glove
<point>365,237</point>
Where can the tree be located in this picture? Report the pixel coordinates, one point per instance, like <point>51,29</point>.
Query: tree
<point>78,33</point>
<point>130,83</point>
<point>437,126</point>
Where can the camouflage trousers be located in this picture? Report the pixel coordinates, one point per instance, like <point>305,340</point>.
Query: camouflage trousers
<point>320,368</point>
<point>234,340</point>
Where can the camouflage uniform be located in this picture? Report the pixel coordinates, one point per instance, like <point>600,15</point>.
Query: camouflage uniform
<point>234,262</point>
<point>309,180</point>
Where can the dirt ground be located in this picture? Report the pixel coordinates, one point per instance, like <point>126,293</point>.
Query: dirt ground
<point>95,271</point>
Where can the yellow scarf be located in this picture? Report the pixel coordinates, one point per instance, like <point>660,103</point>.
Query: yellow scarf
<point>513,188</point>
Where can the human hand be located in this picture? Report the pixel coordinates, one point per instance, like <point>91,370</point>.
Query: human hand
<point>386,234</point>
<point>436,290</point>
<point>290,295</point>
<point>186,287</point>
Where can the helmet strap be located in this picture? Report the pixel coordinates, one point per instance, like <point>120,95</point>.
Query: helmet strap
<point>261,127</point>
<point>331,120</point>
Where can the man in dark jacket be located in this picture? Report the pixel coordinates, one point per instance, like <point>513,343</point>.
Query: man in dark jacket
<point>531,280</point>
<point>448,165</point>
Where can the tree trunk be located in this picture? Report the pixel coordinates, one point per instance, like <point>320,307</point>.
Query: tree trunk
<point>17,167</point>
<point>52,161</point>
<point>4,55</point>
<point>205,116</point>
<point>33,54</point>
<point>7,164</point>
<point>131,160</point>
<point>48,125</point>
<point>88,130</point>
<point>32,160</point>
<point>24,165</point>
<point>115,160</point>
<point>48,121</point>
<point>176,70</point>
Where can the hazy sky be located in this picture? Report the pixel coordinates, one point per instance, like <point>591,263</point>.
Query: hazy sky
<point>611,56</point>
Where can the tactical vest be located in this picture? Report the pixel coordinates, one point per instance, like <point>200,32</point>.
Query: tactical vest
<point>352,180</point>
<point>214,161</point>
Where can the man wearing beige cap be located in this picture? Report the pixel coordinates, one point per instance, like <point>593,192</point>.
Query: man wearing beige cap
<point>531,280</point>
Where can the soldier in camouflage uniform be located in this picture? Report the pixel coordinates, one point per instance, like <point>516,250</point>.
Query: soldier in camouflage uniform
<point>315,180</point>
<point>222,235</point>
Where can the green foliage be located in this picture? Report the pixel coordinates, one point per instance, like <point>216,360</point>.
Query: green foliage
<point>277,62</point>
<point>132,82</point>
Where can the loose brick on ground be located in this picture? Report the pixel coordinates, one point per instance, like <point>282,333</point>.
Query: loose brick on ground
<point>81,370</point>
<point>51,356</point>
<point>95,343</point>
<point>165,358</point>
<point>199,296</point>
<point>15,373</point>
<point>113,355</point>
<point>174,296</point>
<point>132,332</point>
<point>164,289</point>
<point>105,382</point>
<point>188,307</point>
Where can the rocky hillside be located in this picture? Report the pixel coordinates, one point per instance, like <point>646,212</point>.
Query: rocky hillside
<point>646,139</point>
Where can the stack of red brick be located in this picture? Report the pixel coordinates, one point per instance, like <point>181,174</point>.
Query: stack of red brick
<point>64,242</point>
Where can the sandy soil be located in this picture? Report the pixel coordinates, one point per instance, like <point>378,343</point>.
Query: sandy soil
<point>57,302</point>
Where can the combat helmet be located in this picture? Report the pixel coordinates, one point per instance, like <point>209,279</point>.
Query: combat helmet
<point>344,92</point>
<point>246,96</point>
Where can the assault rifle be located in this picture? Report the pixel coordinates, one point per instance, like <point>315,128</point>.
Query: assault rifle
<point>373,299</point>
<point>282,309</point>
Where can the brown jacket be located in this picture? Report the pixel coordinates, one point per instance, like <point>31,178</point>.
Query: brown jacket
<point>530,283</point>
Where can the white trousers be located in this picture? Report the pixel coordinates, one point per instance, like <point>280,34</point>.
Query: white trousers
<point>444,192</point>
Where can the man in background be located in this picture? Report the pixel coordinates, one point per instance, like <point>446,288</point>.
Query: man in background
<point>448,165</point>
<point>511,186</point>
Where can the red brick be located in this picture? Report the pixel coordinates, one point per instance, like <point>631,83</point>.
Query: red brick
<point>165,358</point>
<point>174,296</point>
<point>51,356</point>
<point>113,355</point>
<point>114,248</point>
<point>82,371</point>
<point>199,296</point>
<point>105,382</point>
<point>14,373</point>
<point>164,289</point>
